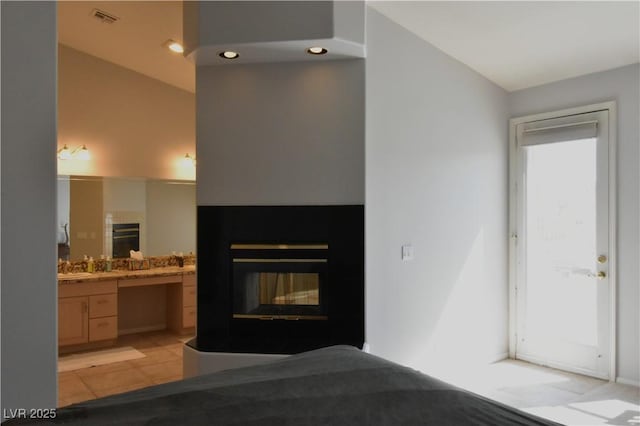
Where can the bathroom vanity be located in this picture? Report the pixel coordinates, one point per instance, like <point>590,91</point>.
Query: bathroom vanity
<point>89,305</point>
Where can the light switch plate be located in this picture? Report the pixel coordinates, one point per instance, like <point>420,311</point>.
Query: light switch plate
<point>407,252</point>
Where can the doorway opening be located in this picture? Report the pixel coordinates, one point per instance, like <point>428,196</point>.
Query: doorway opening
<point>128,100</point>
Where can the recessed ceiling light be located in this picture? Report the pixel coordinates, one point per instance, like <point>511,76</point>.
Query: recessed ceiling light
<point>317,50</point>
<point>229,54</point>
<point>174,46</point>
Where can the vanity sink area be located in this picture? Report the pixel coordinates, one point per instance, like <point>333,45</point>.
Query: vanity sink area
<point>120,274</point>
<point>103,292</point>
<point>74,275</point>
<point>95,308</point>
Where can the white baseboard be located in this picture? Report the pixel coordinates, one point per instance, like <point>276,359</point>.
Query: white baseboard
<point>629,382</point>
<point>144,329</point>
<point>498,357</point>
<point>560,366</point>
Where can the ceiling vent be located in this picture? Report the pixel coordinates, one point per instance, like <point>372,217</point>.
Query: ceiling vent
<point>104,17</point>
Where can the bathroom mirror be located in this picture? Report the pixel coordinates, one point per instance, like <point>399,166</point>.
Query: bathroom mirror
<point>157,216</point>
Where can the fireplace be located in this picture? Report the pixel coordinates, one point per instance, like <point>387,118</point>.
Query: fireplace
<point>279,279</point>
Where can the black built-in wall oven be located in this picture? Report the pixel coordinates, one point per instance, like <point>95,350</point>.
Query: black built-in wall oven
<point>126,237</point>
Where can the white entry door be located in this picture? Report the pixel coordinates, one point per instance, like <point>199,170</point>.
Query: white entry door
<point>562,238</point>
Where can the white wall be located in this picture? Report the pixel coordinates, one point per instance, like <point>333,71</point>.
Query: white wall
<point>133,125</point>
<point>259,21</point>
<point>29,290</point>
<point>623,86</point>
<point>436,178</point>
<point>124,195</point>
<point>171,218</point>
<point>124,201</point>
<point>281,134</point>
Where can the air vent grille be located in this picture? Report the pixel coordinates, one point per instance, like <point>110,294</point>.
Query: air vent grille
<point>104,17</point>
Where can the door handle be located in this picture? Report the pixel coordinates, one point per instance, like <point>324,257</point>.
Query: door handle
<point>601,275</point>
<point>602,259</point>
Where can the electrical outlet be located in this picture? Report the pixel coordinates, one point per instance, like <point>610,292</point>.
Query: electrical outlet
<point>407,252</point>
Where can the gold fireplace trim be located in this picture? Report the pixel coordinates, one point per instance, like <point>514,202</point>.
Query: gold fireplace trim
<point>282,317</point>
<point>279,246</point>
<point>242,260</point>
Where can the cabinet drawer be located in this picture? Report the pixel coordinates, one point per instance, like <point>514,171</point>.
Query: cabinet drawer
<point>189,279</point>
<point>103,305</point>
<point>87,289</point>
<point>103,328</point>
<point>189,296</point>
<point>139,282</point>
<point>189,317</point>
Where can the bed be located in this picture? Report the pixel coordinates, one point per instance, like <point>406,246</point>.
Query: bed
<point>339,385</point>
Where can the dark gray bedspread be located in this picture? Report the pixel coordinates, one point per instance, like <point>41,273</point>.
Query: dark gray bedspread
<point>339,385</point>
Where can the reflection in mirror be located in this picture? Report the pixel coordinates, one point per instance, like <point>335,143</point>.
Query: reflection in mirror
<point>109,216</point>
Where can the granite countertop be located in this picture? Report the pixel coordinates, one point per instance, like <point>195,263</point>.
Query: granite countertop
<point>121,274</point>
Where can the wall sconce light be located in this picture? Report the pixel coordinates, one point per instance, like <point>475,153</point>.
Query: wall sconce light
<point>80,153</point>
<point>188,161</point>
<point>174,46</point>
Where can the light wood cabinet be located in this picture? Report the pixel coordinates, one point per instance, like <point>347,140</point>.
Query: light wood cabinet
<point>103,328</point>
<point>103,317</point>
<point>73,320</point>
<point>103,305</point>
<point>189,317</point>
<point>181,306</point>
<point>188,296</point>
<point>87,312</point>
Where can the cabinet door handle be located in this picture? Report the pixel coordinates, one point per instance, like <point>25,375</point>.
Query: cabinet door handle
<point>85,307</point>
<point>103,324</point>
<point>102,301</point>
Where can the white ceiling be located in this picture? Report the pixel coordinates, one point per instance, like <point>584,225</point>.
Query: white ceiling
<point>520,44</point>
<point>135,41</point>
<point>515,44</point>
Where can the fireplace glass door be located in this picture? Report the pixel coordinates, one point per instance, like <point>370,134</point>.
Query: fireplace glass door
<point>279,288</point>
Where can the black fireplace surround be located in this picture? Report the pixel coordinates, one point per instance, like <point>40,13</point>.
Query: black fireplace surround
<point>248,254</point>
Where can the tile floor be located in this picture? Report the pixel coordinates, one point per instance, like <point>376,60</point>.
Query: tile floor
<point>567,398</point>
<point>162,363</point>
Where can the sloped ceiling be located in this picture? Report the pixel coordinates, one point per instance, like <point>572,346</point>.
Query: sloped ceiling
<point>516,44</point>
<point>135,41</point>
<point>522,44</point>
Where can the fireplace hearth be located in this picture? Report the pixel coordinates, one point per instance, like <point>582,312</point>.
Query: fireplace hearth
<point>279,279</point>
